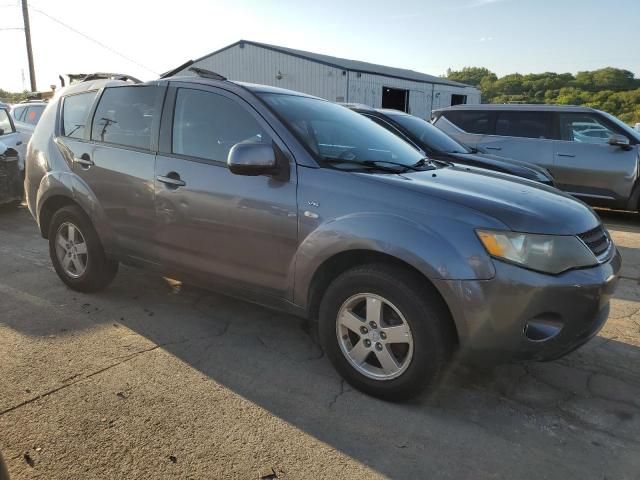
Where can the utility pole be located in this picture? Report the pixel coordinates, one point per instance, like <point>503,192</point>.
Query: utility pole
<point>27,34</point>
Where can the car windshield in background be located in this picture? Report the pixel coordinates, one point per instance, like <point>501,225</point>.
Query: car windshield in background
<point>431,136</point>
<point>332,132</point>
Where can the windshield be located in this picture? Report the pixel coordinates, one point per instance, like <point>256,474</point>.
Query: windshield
<point>627,129</point>
<point>332,132</point>
<point>430,136</point>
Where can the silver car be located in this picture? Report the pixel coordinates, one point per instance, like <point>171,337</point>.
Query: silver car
<point>591,154</point>
<point>26,116</point>
<point>299,204</point>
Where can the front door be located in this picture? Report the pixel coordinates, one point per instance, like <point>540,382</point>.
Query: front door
<point>10,137</point>
<point>588,167</point>
<point>116,160</point>
<point>212,224</point>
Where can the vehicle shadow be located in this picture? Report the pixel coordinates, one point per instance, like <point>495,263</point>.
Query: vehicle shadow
<point>588,401</point>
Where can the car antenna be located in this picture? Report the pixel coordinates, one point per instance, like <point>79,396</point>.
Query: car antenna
<point>203,72</point>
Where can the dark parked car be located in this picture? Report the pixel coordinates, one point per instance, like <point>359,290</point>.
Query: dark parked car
<point>299,204</point>
<point>438,145</point>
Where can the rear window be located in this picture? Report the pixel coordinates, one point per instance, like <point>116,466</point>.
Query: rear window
<point>75,111</point>
<point>17,113</point>
<point>33,114</point>
<point>523,124</point>
<point>471,121</point>
<point>124,116</point>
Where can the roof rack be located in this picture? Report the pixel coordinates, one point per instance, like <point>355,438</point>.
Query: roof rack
<point>203,72</point>
<point>110,76</point>
<point>173,71</point>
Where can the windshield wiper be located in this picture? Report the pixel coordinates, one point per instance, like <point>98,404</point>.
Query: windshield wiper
<point>376,164</point>
<point>431,161</point>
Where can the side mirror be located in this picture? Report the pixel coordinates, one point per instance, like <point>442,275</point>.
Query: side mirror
<point>252,159</point>
<point>619,141</point>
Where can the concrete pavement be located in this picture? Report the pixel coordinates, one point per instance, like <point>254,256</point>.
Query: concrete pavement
<point>152,379</point>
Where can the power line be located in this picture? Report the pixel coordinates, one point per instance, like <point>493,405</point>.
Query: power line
<point>98,42</point>
<point>11,28</point>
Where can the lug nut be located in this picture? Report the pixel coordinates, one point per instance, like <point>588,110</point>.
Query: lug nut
<point>373,325</point>
<point>364,330</point>
<point>367,343</point>
<point>378,346</point>
<point>383,335</point>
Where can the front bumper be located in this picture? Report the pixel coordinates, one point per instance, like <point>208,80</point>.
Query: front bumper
<point>525,315</point>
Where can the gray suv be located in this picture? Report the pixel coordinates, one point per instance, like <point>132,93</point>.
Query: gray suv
<point>299,204</point>
<point>591,154</point>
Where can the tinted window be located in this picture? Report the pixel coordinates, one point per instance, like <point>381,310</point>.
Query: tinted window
<point>523,124</point>
<point>75,112</point>
<point>33,114</point>
<point>124,116</point>
<point>429,136</point>
<point>583,128</point>
<point>333,132</point>
<point>17,112</point>
<point>470,121</point>
<point>207,125</point>
<point>5,122</point>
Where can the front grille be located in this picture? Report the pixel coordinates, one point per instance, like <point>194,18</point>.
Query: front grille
<point>597,240</point>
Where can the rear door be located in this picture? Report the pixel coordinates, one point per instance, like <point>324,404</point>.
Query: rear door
<point>587,166</point>
<point>115,156</point>
<point>522,135</point>
<point>214,225</point>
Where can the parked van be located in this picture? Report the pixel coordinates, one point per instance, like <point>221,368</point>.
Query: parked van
<point>592,155</point>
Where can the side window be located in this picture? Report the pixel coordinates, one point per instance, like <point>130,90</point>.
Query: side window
<point>74,114</point>
<point>584,128</point>
<point>470,121</point>
<point>33,114</point>
<point>524,124</point>
<point>206,125</point>
<point>5,122</point>
<point>17,112</point>
<point>124,116</point>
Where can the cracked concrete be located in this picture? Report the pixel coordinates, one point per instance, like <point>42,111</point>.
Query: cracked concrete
<point>153,379</point>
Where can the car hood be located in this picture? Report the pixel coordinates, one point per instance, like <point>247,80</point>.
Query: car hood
<point>522,205</point>
<point>502,164</point>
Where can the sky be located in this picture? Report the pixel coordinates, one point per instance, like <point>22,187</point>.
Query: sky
<point>429,36</point>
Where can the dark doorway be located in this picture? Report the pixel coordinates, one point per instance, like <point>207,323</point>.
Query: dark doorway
<point>458,99</point>
<point>395,98</point>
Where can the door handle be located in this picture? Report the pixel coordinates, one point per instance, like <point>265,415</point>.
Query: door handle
<point>571,155</point>
<point>493,148</point>
<point>83,160</point>
<point>171,180</point>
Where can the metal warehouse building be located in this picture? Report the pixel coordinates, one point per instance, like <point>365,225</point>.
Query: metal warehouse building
<point>337,79</point>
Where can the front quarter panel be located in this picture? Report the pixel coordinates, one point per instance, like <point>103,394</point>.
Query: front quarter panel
<point>356,213</point>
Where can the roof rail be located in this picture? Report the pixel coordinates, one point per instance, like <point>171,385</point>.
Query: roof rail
<point>173,71</point>
<point>203,72</point>
<point>110,76</point>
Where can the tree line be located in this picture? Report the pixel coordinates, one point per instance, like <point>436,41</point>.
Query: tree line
<point>612,90</point>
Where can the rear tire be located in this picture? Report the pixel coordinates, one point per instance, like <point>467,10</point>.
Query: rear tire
<point>360,347</point>
<point>77,253</point>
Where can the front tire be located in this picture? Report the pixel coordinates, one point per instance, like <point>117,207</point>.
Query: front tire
<point>386,331</point>
<point>77,253</point>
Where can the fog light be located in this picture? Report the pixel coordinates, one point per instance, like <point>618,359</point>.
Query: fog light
<point>543,327</point>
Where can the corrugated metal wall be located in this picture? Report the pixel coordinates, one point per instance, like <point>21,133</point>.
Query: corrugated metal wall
<point>260,65</point>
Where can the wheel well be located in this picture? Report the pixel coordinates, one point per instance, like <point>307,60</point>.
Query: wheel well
<point>51,206</point>
<point>341,262</point>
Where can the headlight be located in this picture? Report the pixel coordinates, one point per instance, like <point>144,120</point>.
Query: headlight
<point>544,253</point>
